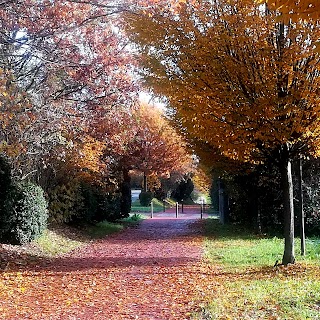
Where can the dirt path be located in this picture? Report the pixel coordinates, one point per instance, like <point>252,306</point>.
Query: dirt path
<point>149,272</point>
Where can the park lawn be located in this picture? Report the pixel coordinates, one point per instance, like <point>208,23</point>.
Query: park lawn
<point>248,286</point>
<point>138,208</point>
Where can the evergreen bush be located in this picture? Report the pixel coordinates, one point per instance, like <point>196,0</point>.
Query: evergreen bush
<point>145,198</point>
<point>96,205</point>
<point>65,202</point>
<point>90,204</point>
<point>183,190</point>
<point>111,207</point>
<point>25,216</point>
<point>5,176</point>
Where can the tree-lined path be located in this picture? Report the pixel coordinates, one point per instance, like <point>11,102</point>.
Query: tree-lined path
<point>153,271</point>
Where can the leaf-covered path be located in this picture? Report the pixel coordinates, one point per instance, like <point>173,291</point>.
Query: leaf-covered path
<point>150,272</point>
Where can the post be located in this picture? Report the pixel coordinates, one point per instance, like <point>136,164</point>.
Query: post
<point>203,205</point>
<point>182,206</point>
<point>177,209</point>
<point>301,212</point>
<point>221,201</point>
<point>151,209</point>
<point>201,208</point>
<point>164,206</point>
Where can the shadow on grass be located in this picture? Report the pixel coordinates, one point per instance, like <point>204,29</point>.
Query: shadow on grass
<point>215,230</point>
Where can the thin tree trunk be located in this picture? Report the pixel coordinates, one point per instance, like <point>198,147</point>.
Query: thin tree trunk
<point>125,203</point>
<point>287,187</point>
<point>221,202</point>
<point>145,182</point>
<point>300,209</point>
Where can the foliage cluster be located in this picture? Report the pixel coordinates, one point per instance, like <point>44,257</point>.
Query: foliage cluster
<point>145,198</point>
<point>70,117</point>
<point>294,10</point>
<point>183,190</point>
<point>23,208</point>
<point>24,213</point>
<point>64,202</point>
<point>79,202</point>
<point>311,196</point>
<point>255,198</point>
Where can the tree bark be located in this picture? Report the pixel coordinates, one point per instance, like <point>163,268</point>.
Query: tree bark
<point>300,209</point>
<point>287,188</point>
<point>145,182</point>
<point>125,203</point>
<point>221,202</point>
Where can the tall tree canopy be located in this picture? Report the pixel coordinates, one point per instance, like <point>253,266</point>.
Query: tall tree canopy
<point>237,80</point>
<point>148,143</point>
<point>62,65</point>
<point>304,9</point>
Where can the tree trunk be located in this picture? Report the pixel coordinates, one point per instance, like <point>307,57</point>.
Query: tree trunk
<point>221,202</point>
<point>300,209</point>
<point>145,182</point>
<point>125,203</point>
<point>287,188</point>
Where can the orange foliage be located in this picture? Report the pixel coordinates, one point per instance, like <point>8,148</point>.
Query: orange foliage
<point>237,79</point>
<point>15,116</point>
<point>302,9</point>
<point>159,149</point>
<point>87,159</point>
<point>143,140</point>
<point>202,180</point>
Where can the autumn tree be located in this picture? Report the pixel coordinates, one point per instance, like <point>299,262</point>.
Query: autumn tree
<point>304,9</point>
<point>143,140</point>
<point>237,80</point>
<point>67,61</point>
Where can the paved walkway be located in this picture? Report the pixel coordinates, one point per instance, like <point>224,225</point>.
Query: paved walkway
<point>152,272</point>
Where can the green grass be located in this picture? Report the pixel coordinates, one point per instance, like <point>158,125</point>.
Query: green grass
<point>52,243</point>
<point>138,208</point>
<point>247,286</point>
<point>133,219</point>
<point>235,247</point>
<point>103,229</point>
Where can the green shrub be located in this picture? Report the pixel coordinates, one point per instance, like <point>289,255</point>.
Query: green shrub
<point>24,217</point>
<point>65,202</point>
<point>183,190</point>
<point>90,196</point>
<point>110,208</point>
<point>96,205</point>
<point>5,176</point>
<point>83,203</point>
<point>145,198</point>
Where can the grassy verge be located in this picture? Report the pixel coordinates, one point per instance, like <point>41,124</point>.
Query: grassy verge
<point>137,208</point>
<point>54,242</point>
<point>59,240</point>
<point>247,286</point>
